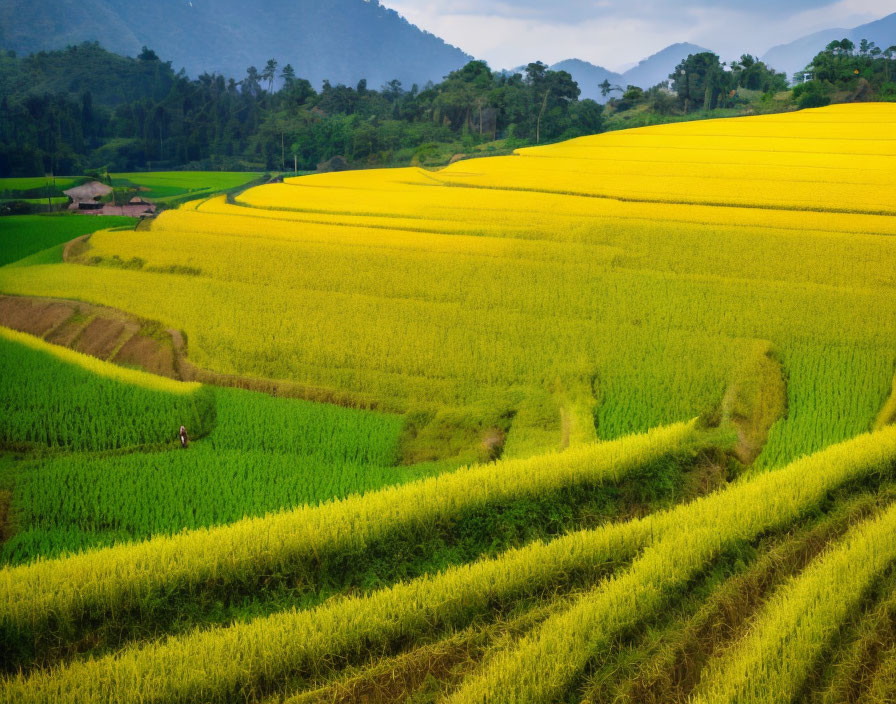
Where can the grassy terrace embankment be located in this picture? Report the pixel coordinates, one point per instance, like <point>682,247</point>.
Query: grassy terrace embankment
<point>289,646</point>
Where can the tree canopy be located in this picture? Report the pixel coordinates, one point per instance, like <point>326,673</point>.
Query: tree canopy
<point>151,117</point>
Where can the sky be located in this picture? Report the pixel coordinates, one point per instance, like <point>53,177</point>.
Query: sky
<point>618,33</point>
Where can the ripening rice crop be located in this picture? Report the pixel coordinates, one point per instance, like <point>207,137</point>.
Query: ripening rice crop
<point>597,295</point>
<point>543,665</point>
<point>645,264</point>
<point>54,397</point>
<point>263,455</point>
<point>243,660</point>
<point>36,598</point>
<point>799,620</point>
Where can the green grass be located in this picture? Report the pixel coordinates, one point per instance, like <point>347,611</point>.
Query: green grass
<point>130,497</point>
<point>164,186</point>
<point>265,454</point>
<point>54,200</point>
<point>254,421</point>
<point>51,403</point>
<point>24,235</point>
<point>833,393</point>
<point>16,188</point>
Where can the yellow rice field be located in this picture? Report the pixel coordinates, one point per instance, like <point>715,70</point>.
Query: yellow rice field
<point>641,263</point>
<point>617,300</point>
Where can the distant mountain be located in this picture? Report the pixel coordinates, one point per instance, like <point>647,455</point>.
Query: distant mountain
<point>652,70</point>
<point>340,40</point>
<point>588,76</point>
<point>656,69</point>
<point>798,54</point>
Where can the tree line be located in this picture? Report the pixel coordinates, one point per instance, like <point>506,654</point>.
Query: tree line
<point>271,119</point>
<point>85,109</point>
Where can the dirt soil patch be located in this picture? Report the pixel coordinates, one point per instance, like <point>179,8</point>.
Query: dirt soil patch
<point>148,353</point>
<point>103,337</point>
<point>32,315</point>
<point>101,332</point>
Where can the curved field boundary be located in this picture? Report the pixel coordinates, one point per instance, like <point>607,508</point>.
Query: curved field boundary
<point>544,665</point>
<point>161,352</point>
<point>799,619</point>
<point>39,600</point>
<point>99,367</point>
<point>675,201</point>
<point>241,662</point>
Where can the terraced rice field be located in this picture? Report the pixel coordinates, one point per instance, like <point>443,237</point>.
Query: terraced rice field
<point>488,283</point>
<point>25,235</point>
<point>676,344</point>
<point>174,186</point>
<point>16,188</point>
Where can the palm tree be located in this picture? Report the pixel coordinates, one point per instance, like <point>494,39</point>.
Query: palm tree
<point>269,74</point>
<point>288,74</point>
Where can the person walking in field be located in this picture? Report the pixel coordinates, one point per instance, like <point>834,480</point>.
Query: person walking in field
<point>184,440</point>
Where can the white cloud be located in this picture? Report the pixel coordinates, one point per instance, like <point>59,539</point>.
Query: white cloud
<point>613,33</point>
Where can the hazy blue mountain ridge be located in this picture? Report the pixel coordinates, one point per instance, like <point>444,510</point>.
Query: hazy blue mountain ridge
<point>339,40</point>
<point>798,54</point>
<point>652,70</point>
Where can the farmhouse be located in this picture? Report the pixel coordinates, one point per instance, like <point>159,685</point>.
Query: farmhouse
<point>85,197</point>
<point>85,200</point>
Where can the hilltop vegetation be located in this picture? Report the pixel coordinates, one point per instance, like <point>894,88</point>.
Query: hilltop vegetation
<point>111,113</point>
<point>167,120</point>
<point>340,40</point>
<point>703,87</point>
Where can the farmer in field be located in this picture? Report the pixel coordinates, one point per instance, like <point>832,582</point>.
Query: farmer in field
<point>184,440</point>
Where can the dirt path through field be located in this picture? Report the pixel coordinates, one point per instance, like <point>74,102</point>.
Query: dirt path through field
<point>565,427</point>
<point>755,400</point>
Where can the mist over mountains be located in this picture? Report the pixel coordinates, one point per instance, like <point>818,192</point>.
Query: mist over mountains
<point>339,40</point>
<point>342,41</point>
<point>796,55</point>
<point>652,70</point>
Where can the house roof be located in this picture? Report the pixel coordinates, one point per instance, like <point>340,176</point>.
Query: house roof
<point>88,191</point>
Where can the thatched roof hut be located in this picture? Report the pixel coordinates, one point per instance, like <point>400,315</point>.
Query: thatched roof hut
<point>88,192</point>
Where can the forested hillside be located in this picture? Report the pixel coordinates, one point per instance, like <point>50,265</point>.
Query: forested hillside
<point>794,56</point>
<point>84,108</point>
<point>339,40</point>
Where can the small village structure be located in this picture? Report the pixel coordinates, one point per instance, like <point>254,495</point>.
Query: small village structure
<point>86,196</point>
<point>86,201</point>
